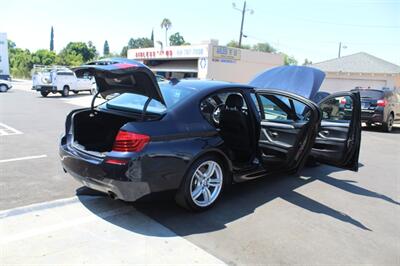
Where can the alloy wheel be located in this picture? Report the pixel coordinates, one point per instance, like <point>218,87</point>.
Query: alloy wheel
<point>206,183</point>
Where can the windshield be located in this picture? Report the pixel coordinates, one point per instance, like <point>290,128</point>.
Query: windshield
<point>135,102</point>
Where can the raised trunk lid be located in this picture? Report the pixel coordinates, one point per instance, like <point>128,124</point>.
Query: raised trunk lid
<point>118,75</point>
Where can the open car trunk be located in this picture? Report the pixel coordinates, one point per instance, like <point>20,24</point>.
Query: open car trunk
<point>96,132</point>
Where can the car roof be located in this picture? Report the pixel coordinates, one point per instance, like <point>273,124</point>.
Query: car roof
<point>203,85</point>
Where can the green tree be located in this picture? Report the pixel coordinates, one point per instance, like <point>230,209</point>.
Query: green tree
<point>264,47</point>
<point>289,60</point>
<point>140,43</point>
<point>307,62</point>
<point>235,44</point>
<point>166,24</point>
<point>69,58</point>
<point>106,48</point>
<point>176,39</point>
<point>43,57</point>
<point>86,51</point>
<point>52,39</point>
<point>20,61</point>
<point>124,51</point>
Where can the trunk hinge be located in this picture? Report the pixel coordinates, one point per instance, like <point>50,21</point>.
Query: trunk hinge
<point>93,100</point>
<point>146,104</point>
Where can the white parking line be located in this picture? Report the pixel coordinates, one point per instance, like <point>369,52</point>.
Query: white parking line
<point>23,158</point>
<point>7,130</point>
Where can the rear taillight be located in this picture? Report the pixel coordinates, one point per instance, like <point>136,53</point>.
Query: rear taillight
<point>130,142</point>
<point>343,101</point>
<point>381,102</point>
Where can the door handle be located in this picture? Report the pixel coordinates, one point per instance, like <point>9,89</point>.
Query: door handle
<point>324,133</point>
<point>274,134</point>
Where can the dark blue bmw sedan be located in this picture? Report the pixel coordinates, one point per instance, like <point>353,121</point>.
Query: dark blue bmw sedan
<point>197,137</point>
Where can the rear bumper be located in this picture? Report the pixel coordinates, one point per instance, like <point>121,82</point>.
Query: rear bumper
<point>121,181</point>
<point>372,116</point>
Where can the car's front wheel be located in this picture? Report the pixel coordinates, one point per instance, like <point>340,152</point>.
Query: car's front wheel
<point>44,93</point>
<point>202,185</point>
<point>3,88</point>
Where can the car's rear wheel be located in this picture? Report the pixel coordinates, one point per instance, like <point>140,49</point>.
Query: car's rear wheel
<point>3,88</point>
<point>65,91</point>
<point>44,93</point>
<point>202,185</point>
<point>388,125</point>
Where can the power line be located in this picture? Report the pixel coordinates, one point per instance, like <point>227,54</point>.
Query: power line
<point>349,25</point>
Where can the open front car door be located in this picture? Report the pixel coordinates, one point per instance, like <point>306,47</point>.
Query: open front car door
<point>339,135</point>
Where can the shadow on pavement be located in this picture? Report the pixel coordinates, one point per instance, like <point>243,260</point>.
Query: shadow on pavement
<point>243,199</point>
<point>70,96</point>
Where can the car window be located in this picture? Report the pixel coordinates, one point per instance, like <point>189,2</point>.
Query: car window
<point>271,110</point>
<point>212,105</point>
<point>371,94</point>
<point>338,109</point>
<point>277,107</point>
<point>135,102</point>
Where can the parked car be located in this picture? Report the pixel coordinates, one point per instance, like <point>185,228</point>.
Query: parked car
<point>62,80</point>
<point>197,137</point>
<point>5,85</point>
<point>380,107</point>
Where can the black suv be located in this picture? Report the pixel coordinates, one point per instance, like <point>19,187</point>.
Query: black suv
<point>380,107</point>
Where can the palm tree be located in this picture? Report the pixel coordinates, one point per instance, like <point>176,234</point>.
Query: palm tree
<point>166,24</point>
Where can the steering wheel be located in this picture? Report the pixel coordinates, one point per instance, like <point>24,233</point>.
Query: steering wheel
<point>216,113</point>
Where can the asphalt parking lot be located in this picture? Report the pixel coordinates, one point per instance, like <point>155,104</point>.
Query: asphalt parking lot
<point>324,216</point>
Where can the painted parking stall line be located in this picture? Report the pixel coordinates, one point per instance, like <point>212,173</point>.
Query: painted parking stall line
<point>7,130</point>
<point>23,158</point>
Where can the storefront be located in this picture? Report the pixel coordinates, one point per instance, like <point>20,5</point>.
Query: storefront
<point>206,61</point>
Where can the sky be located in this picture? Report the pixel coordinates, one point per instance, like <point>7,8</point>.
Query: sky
<point>309,29</point>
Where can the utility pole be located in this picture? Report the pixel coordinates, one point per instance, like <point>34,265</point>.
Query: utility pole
<point>243,11</point>
<point>241,24</point>
<point>340,48</point>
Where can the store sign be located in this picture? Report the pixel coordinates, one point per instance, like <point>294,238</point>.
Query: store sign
<point>168,52</point>
<point>227,53</point>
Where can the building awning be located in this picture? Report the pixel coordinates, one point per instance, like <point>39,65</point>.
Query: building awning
<point>187,66</point>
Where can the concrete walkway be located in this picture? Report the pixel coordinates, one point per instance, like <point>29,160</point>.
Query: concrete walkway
<point>91,230</point>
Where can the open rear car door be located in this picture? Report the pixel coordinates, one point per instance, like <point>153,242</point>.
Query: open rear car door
<point>339,135</point>
<point>288,127</point>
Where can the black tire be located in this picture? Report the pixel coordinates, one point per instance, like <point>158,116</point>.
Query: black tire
<point>75,92</point>
<point>3,88</point>
<point>183,197</point>
<point>44,93</point>
<point>65,91</point>
<point>388,125</point>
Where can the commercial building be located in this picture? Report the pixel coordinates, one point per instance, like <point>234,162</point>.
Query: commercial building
<point>206,61</point>
<point>4,64</point>
<point>358,70</point>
